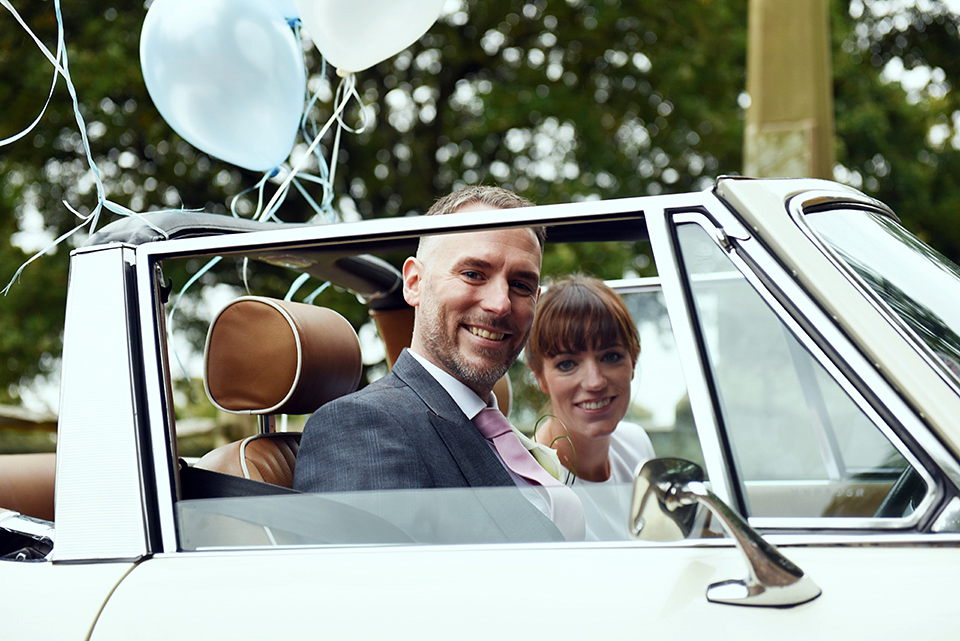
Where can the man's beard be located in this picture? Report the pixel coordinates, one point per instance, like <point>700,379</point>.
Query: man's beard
<point>443,348</point>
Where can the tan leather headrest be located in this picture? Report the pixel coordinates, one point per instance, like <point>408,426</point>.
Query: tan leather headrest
<point>268,356</point>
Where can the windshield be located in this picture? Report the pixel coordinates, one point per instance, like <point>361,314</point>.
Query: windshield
<point>917,283</point>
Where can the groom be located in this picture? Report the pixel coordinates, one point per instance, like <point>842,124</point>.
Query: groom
<point>474,297</point>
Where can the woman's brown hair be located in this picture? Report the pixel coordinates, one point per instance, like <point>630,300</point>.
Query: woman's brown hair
<point>579,313</point>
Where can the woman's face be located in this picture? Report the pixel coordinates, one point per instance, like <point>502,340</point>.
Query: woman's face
<point>589,390</point>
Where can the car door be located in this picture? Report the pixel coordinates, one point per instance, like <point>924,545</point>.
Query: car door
<point>795,432</point>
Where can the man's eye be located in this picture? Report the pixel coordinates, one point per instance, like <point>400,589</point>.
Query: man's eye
<point>523,288</point>
<point>470,275</point>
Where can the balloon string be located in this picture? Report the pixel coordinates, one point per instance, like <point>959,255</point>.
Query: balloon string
<point>319,208</point>
<point>56,72</point>
<point>62,68</point>
<point>259,187</point>
<point>313,295</point>
<point>345,92</point>
<point>176,305</point>
<point>309,128</point>
<point>300,280</point>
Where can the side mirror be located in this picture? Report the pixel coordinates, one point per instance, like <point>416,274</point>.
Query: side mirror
<point>666,494</point>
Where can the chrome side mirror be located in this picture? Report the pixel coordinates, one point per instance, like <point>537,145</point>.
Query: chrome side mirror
<point>666,494</point>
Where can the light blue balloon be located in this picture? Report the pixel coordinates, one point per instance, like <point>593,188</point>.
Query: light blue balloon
<point>286,8</point>
<point>227,75</point>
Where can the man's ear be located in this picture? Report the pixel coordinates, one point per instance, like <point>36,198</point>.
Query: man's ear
<point>412,277</point>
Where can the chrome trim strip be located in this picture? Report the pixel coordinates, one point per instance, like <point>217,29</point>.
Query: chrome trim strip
<point>782,541</point>
<point>373,231</point>
<point>932,445</point>
<point>949,519</point>
<point>851,356</point>
<point>158,397</point>
<point>694,368</point>
<point>898,361</point>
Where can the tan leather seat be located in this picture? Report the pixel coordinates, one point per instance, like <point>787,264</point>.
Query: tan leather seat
<point>269,458</point>
<point>265,356</point>
<point>27,483</point>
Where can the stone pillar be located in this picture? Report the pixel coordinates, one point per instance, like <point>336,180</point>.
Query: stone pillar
<point>789,128</point>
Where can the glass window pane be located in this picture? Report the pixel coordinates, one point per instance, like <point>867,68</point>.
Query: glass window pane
<point>660,402</point>
<point>917,283</point>
<point>801,446</point>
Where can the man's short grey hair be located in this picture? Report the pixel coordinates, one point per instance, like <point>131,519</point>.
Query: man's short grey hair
<point>495,197</point>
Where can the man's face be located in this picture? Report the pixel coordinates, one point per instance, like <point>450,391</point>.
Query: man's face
<point>475,295</point>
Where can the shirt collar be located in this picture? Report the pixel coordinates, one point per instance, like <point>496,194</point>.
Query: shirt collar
<point>465,398</point>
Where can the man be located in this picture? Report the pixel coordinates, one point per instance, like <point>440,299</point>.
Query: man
<point>474,297</point>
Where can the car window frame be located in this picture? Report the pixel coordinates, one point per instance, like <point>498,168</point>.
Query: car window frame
<point>162,476</point>
<point>829,347</point>
<point>657,219</point>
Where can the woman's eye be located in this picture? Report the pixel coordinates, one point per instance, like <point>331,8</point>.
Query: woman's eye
<point>613,357</point>
<point>565,366</point>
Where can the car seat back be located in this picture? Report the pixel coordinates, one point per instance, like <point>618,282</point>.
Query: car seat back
<point>265,356</point>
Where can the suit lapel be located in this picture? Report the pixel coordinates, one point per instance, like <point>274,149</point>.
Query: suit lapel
<point>515,517</point>
<point>472,453</point>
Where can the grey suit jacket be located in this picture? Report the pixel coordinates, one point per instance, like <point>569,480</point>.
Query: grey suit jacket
<point>402,431</point>
<point>405,431</point>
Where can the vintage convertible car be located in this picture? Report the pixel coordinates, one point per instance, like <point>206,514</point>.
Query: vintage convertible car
<point>799,378</point>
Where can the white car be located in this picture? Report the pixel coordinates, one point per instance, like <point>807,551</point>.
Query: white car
<point>800,351</point>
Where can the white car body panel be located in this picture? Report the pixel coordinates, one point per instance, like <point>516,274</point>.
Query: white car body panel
<point>544,593</point>
<point>54,601</point>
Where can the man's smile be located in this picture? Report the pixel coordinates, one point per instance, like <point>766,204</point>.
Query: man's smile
<point>483,333</point>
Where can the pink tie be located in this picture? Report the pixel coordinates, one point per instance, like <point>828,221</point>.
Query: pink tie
<point>566,511</point>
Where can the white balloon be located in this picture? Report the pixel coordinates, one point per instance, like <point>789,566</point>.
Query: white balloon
<point>227,75</point>
<point>355,34</point>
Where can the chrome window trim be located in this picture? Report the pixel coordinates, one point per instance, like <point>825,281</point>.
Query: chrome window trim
<point>849,354</point>
<point>656,211</point>
<point>404,228</point>
<point>949,518</point>
<point>638,285</point>
<point>764,204</point>
<point>158,397</point>
<point>695,371</point>
<point>797,207</point>
<point>782,540</point>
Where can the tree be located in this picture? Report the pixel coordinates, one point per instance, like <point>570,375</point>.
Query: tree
<point>560,101</point>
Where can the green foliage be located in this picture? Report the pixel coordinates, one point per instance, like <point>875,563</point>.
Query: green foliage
<point>561,101</point>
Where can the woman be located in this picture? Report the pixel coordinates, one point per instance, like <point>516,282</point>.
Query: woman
<point>583,348</point>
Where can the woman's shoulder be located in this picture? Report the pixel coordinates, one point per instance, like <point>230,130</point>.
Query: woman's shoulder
<point>626,429</point>
<point>632,440</point>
